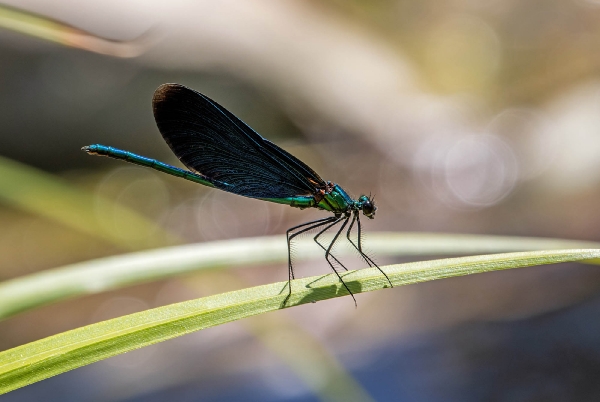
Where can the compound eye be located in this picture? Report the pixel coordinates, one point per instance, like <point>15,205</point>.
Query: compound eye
<point>369,208</point>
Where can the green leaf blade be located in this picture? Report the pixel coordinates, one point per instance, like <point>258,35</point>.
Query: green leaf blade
<point>27,292</point>
<point>47,357</point>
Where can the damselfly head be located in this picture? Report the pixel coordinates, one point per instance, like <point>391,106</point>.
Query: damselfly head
<point>368,206</point>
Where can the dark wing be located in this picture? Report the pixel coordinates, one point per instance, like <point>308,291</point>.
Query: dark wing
<point>211,141</point>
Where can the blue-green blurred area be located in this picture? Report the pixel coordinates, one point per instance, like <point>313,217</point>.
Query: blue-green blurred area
<point>464,116</point>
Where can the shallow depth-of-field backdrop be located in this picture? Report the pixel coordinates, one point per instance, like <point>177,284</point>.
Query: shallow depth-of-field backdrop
<point>462,116</point>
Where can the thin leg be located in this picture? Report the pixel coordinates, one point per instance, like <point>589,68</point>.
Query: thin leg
<point>359,235</point>
<point>311,225</point>
<point>289,237</point>
<point>328,253</point>
<point>359,248</point>
<point>316,239</point>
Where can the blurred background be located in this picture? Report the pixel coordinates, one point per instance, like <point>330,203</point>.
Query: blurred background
<point>461,116</point>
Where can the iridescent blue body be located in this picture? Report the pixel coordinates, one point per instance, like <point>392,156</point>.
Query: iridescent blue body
<point>103,150</point>
<point>336,200</point>
<point>223,152</point>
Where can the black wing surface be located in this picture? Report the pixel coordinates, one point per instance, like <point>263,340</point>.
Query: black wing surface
<point>210,140</point>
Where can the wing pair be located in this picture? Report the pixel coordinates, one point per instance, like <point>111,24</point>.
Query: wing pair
<point>211,141</point>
